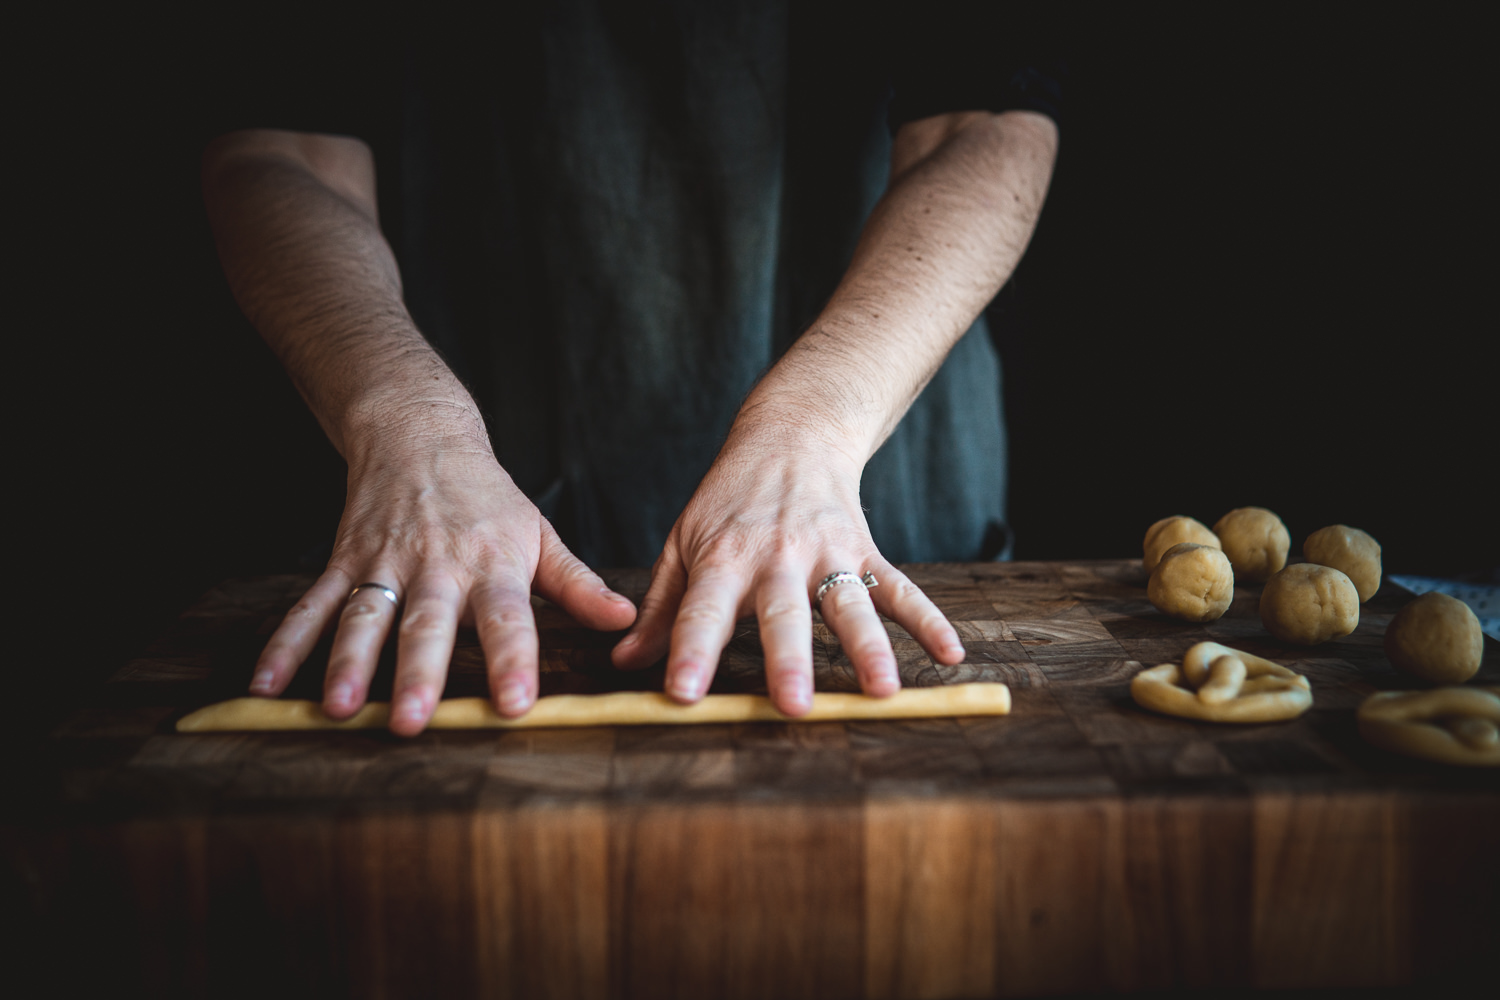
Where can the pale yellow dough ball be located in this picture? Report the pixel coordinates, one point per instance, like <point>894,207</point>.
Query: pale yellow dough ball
<point>1436,638</point>
<point>1351,552</point>
<point>1255,541</point>
<point>1170,531</point>
<point>1192,582</point>
<point>1308,604</point>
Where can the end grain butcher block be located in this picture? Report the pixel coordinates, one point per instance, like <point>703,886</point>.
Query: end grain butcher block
<point>1080,843</point>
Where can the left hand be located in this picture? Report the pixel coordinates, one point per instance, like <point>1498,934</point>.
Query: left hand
<point>775,515</point>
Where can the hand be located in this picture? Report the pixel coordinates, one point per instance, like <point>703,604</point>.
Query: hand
<point>774,516</point>
<point>441,523</point>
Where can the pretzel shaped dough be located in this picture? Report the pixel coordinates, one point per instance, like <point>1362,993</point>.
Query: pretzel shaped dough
<point>1196,663</point>
<point>1451,725</point>
<point>1219,684</point>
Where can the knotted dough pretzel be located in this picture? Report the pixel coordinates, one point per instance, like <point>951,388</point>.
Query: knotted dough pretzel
<point>1451,725</point>
<point>1219,684</point>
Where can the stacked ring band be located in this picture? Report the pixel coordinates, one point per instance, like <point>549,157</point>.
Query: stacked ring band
<point>385,592</point>
<point>835,579</point>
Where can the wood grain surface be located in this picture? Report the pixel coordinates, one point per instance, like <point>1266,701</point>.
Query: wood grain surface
<point>1079,844</point>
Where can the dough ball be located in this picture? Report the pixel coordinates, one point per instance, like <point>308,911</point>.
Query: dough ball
<point>1436,638</point>
<point>1255,541</point>
<point>1351,552</point>
<point>1170,531</point>
<point>1308,604</point>
<point>1192,582</point>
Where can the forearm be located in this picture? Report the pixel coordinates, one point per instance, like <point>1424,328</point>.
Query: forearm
<point>295,221</point>
<point>965,194</point>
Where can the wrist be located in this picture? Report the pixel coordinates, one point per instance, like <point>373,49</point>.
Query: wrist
<point>800,430</point>
<point>437,413</point>
<point>803,406</point>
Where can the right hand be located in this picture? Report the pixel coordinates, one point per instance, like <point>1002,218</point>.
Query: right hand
<point>438,520</point>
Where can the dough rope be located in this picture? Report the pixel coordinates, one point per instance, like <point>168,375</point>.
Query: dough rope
<point>1219,684</point>
<point>1450,725</point>
<point>622,708</point>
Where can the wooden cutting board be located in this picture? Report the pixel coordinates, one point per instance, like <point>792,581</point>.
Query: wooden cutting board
<point>1080,843</point>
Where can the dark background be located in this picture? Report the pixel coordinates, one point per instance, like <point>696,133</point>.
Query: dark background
<point>1259,279</point>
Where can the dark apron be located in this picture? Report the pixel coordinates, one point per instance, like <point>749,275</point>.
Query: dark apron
<point>614,221</point>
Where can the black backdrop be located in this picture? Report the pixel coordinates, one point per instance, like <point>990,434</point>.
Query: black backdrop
<point>1259,279</point>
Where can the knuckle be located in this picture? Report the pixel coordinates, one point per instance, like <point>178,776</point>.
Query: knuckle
<point>654,603</point>
<point>427,543</point>
<point>496,595</point>
<point>574,573</point>
<point>357,611</point>
<point>344,563</point>
<point>723,550</point>
<point>492,555</point>
<point>303,610</point>
<point>506,618</point>
<point>776,549</point>
<point>343,666</point>
<point>578,571</point>
<point>846,596</point>
<point>437,573</point>
<point>903,591</point>
<point>779,609</point>
<point>934,622</point>
<point>439,586</point>
<point>424,622</point>
<point>699,615</point>
<point>870,651</point>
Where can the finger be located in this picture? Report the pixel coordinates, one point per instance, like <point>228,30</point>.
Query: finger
<point>363,624</point>
<point>649,639</point>
<point>850,613</point>
<point>423,651</point>
<point>786,637</point>
<point>904,603</point>
<point>298,633</point>
<point>705,621</point>
<point>507,633</point>
<point>563,579</point>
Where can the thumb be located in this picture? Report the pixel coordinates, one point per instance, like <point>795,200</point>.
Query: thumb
<point>563,579</point>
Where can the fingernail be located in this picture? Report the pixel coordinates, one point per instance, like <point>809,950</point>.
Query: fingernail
<point>408,708</point>
<point>341,694</point>
<point>685,683</point>
<point>262,682</point>
<point>610,595</point>
<point>799,697</point>
<point>629,640</point>
<point>513,697</point>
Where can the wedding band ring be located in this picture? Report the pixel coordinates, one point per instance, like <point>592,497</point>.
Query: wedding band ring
<point>385,592</point>
<point>834,579</point>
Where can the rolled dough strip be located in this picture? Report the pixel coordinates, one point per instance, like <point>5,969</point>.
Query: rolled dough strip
<point>623,708</point>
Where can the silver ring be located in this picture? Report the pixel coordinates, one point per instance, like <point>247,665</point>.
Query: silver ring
<point>385,592</point>
<point>834,579</point>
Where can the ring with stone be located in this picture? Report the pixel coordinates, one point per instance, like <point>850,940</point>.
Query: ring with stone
<point>834,579</point>
<point>386,592</point>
